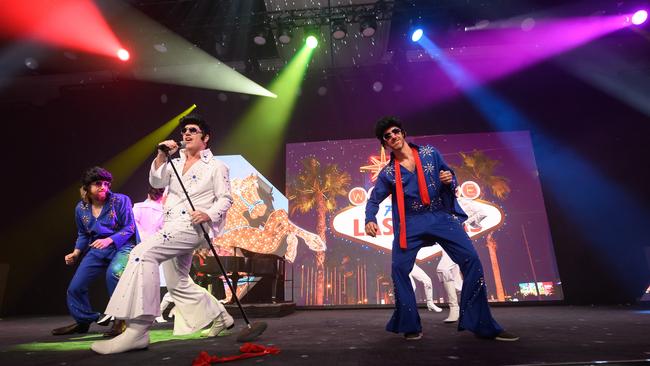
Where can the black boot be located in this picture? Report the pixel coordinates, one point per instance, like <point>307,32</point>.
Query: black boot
<point>118,328</point>
<point>104,320</point>
<point>71,329</point>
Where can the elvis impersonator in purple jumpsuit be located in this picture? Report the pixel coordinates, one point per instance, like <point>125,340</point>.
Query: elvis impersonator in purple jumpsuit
<point>425,211</point>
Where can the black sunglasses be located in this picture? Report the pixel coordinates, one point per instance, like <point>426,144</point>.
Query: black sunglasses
<point>392,132</point>
<point>101,183</point>
<point>191,130</point>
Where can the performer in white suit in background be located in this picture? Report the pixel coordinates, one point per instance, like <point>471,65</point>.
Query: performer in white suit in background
<point>448,271</point>
<point>418,274</point>
<point>452,280</point>
<point>149,219</point>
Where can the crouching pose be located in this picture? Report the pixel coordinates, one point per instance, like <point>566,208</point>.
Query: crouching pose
<point>137,296</point>
<point>106,235</point>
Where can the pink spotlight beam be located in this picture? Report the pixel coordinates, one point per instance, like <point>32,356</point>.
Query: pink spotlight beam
<point>497,53</point>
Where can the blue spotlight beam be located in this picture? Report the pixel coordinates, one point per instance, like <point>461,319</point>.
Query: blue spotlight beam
<point>566,174</point>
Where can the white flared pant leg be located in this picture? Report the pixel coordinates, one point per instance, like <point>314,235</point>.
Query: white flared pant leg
<point>195,306</point>
<point>418,274</point>
<point>448,271</point>
<point>138,293</point>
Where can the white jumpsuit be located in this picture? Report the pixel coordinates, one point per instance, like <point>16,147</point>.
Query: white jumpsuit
<point>137,294</point>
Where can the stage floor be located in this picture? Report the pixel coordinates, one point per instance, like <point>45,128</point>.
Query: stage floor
<point>549,334</point>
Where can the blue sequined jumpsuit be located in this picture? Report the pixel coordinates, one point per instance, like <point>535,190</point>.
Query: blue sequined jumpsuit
<point>115,221</point>
<point>439,222</point>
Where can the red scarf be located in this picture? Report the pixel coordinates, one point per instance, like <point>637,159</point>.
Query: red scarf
<point>424,194</point>
<point>247,350</point>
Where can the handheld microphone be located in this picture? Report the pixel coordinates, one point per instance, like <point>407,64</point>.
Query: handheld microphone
<point>165,148</point>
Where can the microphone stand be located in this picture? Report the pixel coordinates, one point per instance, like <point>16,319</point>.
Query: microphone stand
<point>253,330</point>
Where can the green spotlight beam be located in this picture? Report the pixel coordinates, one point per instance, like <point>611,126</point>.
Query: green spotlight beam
<point>159,55</point>
<point>258,135</point>
<point>125,163</point>
<point>83,343</point>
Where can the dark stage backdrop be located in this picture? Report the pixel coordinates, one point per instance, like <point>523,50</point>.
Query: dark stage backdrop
<point>54,130</point>
<point>499,189</point>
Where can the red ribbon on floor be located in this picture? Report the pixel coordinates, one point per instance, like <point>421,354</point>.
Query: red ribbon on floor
<point>248,350</point>
<point>424,194</point>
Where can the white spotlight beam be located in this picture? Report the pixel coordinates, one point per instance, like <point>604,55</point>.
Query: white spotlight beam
<point>181,63</point>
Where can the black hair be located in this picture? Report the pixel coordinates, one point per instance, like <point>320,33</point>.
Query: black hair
<point>385,123</point>
<point>155,193</point>
<point>94,174</point>
<point>195,119</point>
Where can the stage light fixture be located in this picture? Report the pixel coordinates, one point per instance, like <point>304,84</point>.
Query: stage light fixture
<point>417,34</point>
<point>339,30</point>
<point>284,34</point>
<point>31,63</point>
<point>160,47</point>
<point>123,54</point>
<point>260,36</point>
<point>312,42</point>
<point>368,26</point>
<point>639,17</point>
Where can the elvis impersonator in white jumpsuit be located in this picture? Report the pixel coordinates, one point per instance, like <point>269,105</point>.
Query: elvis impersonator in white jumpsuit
<point>137,296</point>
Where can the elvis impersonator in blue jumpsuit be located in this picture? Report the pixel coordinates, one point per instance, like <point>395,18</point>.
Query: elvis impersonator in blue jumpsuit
<point>115,221</point>
<point>425,211</point>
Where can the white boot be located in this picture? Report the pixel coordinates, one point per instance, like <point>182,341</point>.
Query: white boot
<point>454,309</point>
<point>428,291</point>
<point>432,306</point>
<point>220,326</point>
<point>136,336</point>
<point>161,319</point>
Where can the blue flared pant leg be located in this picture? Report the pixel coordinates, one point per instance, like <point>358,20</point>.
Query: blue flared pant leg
<point>92,265</point>
<point>475,314</point>
<point>447,230</point>
<point>405,318</point>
